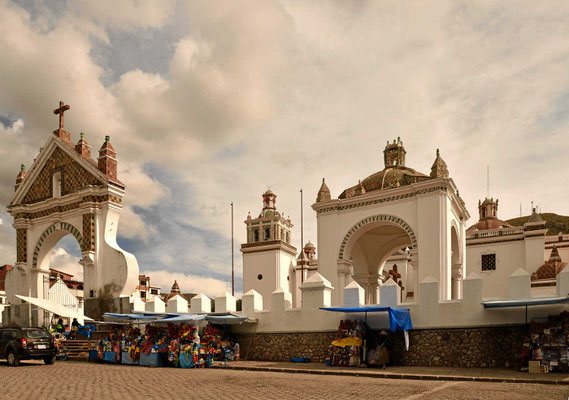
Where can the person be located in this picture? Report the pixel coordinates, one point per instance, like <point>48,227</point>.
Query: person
<point>383,352</point>
<point>74,328</point>
<point>235,351</point>
<point>60,328</point>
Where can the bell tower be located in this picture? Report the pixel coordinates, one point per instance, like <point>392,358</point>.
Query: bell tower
<point>269,260</point>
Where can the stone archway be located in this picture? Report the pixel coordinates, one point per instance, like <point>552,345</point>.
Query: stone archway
<point>367,246</point>
<point>66,192</point>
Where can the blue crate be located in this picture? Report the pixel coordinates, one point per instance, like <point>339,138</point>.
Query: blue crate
<point>109,356</point>
<point>93,355</point>
<point>125,359</point>
<point>150,360</point>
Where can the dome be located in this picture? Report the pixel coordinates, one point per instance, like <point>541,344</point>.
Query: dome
<point>551,267</point>
<point>488,223</point>
<point>309,245</point>
<point>389,178</point>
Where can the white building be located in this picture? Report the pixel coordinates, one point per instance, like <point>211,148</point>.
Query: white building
<point>398,238</point>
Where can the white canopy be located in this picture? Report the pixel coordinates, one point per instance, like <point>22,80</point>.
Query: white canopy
<point>54,307</point>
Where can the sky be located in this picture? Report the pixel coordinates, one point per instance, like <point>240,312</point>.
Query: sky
<point>209,103</point>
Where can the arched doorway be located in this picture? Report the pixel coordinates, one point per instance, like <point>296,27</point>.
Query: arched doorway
<point>369,244</point>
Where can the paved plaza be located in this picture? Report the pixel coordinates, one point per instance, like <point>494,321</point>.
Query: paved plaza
<point>80,380</point>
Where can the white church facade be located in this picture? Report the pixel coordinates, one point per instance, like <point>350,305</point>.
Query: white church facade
<point>399,238</point>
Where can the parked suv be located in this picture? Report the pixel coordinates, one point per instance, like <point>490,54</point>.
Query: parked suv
<point>27,344</point>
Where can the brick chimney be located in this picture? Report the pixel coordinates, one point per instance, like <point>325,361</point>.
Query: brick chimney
<point>20,177</point>
<point>108,159</point>
<point>82,147</point>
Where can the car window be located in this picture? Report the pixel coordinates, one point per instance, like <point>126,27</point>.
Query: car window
<point>37,334</point>
<point>8,335</point>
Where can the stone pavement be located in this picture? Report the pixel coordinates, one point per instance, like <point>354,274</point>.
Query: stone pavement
<point>90,381</point>
<point>422,373</point>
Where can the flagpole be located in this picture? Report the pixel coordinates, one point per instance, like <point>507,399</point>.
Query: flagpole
<point>232,256</point>
<point>301,237</point>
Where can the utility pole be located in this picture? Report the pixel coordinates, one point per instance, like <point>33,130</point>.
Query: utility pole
<point>232,256</point>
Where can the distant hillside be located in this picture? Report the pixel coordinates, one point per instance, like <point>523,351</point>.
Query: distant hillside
<point>554,223</point>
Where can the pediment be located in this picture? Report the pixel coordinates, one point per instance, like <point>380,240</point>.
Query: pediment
<point>57,157</point>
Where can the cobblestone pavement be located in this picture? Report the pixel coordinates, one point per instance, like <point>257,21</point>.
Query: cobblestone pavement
<point>79,380</point>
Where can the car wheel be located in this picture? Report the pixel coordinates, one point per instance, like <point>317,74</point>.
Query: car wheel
<point>13,359</point>
<point>49,360</point>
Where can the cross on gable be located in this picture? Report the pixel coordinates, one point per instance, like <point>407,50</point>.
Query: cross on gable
<point>62,108</point>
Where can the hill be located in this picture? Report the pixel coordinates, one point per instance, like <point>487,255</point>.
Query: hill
<point>554,223</point>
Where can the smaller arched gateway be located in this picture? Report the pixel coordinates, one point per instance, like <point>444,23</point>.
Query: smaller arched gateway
<point>367,247</point>
<point>67,192</point>
<point>399,218</point>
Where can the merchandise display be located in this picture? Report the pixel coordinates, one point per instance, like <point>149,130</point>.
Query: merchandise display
<point>346,349</point>
<point>548,344</point>
<point>166,344</point>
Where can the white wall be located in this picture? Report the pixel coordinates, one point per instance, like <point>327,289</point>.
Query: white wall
<point>427,313</point>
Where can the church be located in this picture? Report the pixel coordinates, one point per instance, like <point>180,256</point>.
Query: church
<point>398,238</point>
<point>403,225</point>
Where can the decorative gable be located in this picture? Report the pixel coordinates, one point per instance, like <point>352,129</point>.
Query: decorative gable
<point>73,177</point>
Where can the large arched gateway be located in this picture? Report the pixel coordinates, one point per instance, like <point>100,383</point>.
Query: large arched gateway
<point>66,192</point>
<point>394,214</point>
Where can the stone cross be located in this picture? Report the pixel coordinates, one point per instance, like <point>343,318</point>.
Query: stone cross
<point>62,108</point>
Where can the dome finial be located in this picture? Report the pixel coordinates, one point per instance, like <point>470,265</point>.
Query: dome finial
<point>82,135</point>
<point>22,167</point>
<point>438,153</point>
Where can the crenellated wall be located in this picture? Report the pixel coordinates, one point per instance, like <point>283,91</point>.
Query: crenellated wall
<point>427,313</point>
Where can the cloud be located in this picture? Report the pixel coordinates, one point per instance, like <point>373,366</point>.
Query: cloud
<point>188,283</point>
<point>258,94</point>
<point>127,13</point>
<point>61,260</point>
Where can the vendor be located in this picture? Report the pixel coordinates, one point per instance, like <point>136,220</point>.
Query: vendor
<point>378,354</point>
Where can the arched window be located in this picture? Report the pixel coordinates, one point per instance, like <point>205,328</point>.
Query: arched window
<point>288,237</point>
<point>57,184</point>
<point>256,235</point>
<point>267,233</point>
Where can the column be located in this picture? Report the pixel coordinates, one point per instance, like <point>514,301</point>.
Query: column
<point>412,284</point>
<point>345,272</point>
<point>456,281</point>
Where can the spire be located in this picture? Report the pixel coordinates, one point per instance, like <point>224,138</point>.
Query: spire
<point>323,193</point>
<point>21,175</point>
<point>439,168</point>
<point>175,288</point>
<point>82,147</point>
<point>534,217</point>
<point>108,159</point>
<point>554,256</point>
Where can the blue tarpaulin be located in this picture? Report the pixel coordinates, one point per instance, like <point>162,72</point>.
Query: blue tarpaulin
<point>399,318</point>
<point>127,316</point>
<point>225,319</point>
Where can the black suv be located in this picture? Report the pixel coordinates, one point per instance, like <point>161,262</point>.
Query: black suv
<point>27,344</point>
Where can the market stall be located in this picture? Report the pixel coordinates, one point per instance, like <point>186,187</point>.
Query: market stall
<point>355,344</point>
<point>169,339</point>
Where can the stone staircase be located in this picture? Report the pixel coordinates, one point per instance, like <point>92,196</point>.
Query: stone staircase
<point>78,349</point>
